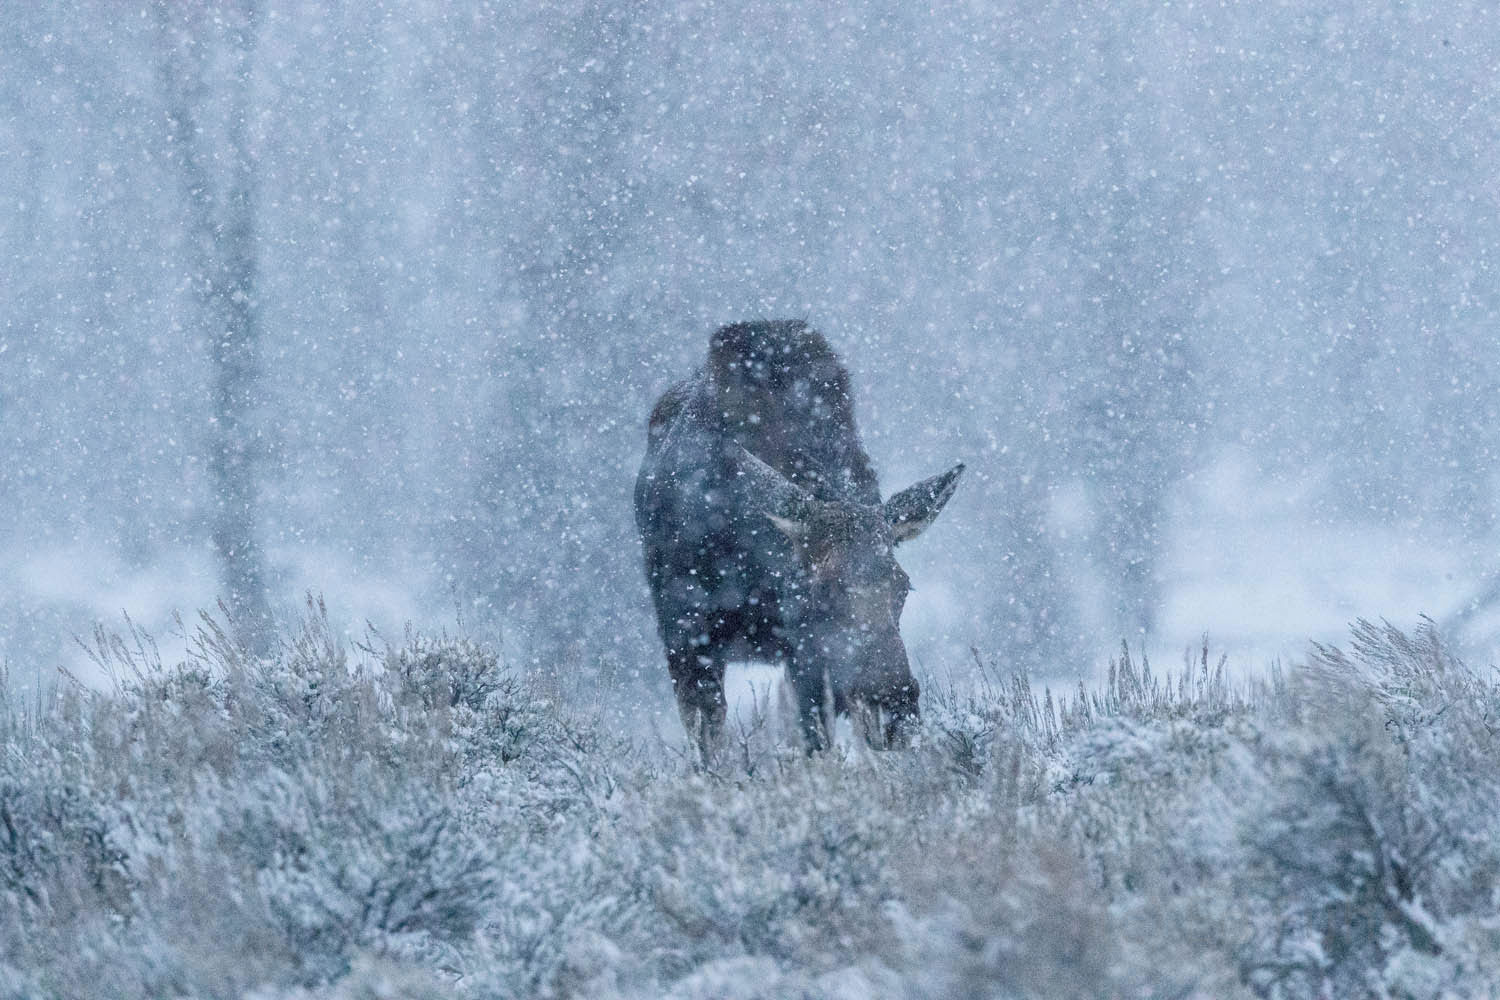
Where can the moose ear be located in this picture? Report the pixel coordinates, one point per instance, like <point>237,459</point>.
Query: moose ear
<point>780,499</point>
<point>914,508</point>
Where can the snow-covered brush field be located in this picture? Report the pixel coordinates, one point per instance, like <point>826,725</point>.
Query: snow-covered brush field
<point>415,820</point>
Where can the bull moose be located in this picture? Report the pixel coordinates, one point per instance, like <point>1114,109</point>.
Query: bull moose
<point>765,535</point>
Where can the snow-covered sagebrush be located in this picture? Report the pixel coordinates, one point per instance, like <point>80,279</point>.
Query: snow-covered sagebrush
<point>414,819</point>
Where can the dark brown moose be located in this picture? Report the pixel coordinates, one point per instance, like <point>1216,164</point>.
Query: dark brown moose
<point>765,536</point>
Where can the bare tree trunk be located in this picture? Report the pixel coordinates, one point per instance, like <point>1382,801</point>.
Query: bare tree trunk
<point>1139,408</point>
<point>222,225</point>
<point>538,543</point>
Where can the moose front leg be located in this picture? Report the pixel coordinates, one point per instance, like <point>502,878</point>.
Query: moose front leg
<point>902,714</point>
<point>867,720</point>
<point>889,718</point>
<point>812,707</point>
<point>698,682</point>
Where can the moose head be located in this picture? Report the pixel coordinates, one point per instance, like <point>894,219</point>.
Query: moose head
<point>843,612</point>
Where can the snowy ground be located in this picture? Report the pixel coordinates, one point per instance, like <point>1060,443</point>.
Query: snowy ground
<point>1249,567</point>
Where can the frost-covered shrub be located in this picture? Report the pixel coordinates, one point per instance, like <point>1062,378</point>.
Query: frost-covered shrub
<point>432,673</point>
<point>787,867</point>
<point>390,867</point>
<point>1019,923</point>
<point>416,819</point>
<point>1103,810</point>
<point>305,808</point>
<point>1375,839</point>
<point>992,721</point>
<point>56,853</point>
<point>660,879</point>
<point>371,978</point>
<point>491,715</point>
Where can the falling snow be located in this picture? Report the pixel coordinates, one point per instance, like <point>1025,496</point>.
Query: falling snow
<point>371,302</point>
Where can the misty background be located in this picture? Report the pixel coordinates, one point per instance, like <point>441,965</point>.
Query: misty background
<point>373,299</point>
